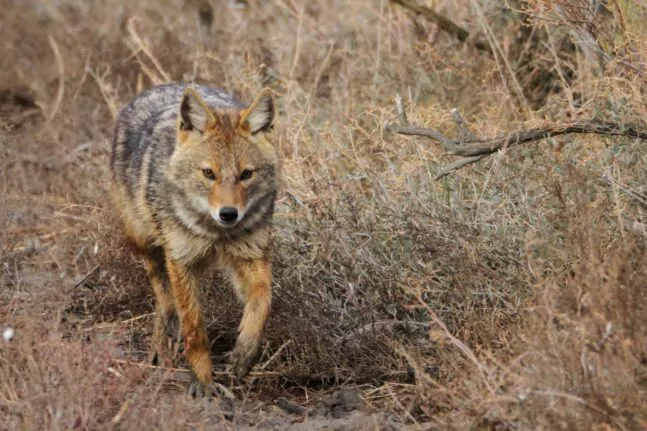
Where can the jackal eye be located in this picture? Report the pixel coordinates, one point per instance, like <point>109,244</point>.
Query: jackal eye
<point>246,174</point>
<point>209,174</point>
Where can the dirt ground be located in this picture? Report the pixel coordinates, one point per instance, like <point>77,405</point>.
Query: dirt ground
<point>507,295</point>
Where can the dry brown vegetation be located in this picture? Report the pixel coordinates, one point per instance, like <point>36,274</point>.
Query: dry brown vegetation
<point>508,295</point>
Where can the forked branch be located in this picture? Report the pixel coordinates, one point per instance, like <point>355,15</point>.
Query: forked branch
<point>474,148</point>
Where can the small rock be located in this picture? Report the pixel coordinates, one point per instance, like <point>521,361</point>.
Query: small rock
<point>339,404</point>
<point>8,334</point>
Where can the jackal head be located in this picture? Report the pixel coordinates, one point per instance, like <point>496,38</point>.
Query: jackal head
<point>224,163</point>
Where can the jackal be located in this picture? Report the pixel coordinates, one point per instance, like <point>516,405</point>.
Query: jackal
<point>195,180</point>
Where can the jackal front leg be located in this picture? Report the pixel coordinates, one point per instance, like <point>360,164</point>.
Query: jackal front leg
<point>196,345</point>
<point>252,281</point>
<point>166,335</point>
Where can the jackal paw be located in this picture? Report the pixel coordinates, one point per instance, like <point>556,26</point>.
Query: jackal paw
<point>168,342</point>
<point>244,357</point>
<point>198,389</point>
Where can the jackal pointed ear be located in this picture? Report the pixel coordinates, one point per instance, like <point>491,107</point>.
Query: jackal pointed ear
<point>195,115</point>
<point>259,116</point>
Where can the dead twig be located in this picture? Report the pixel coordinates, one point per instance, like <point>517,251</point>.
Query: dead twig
<point>474,148</point>
<point>255,374</point>
<point>87,276</point>
<point>121,322</point>
<point>444,23</point>
<point>275,355</point>
<point>635,195</point>
<point>133,319</point>
<point>448,169</point>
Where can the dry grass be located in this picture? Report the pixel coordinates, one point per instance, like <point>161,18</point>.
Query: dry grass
<point>507,296</point>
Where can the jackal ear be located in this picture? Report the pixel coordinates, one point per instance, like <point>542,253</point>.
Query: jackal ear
<point>195,115</point>
<point>259,116</point>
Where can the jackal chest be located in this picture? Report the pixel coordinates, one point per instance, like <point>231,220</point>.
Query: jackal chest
<point>191,249</point>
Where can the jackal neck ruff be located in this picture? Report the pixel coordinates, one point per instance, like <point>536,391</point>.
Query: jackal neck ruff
<point>181,154</point>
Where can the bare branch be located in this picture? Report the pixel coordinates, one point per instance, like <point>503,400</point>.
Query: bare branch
<point>448,169</point>
<point>474,148</point>
<point>442,22</point>
<point>492,145</point>
<point>402,116</point>
<point>464,132</point>
<point>422,131</point>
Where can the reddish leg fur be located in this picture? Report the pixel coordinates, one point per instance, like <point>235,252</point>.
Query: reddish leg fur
<point>252,281</point>
<point>196,347</point>
<point>166,332</point>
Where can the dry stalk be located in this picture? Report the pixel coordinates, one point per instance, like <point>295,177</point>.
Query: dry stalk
<point>122,411</point>
<point>501,59</point>
<point>275,355</point>
<point>86,68</point>
<point>143,47</point>
<point>297,46</point>
<point>105,90</point>
<point>61,79</point>
<point>469,353</point>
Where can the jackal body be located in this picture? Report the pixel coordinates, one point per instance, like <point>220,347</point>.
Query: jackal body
<point>194,180</point>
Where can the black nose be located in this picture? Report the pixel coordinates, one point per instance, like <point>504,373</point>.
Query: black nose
<point>228,214</point>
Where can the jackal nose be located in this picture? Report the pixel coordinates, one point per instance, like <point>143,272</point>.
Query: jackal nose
<point>228,214</point>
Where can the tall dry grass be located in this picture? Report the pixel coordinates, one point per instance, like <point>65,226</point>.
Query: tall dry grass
<point>508,295</point>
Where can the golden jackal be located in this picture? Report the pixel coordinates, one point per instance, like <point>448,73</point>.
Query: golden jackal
<point>195,179</point>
